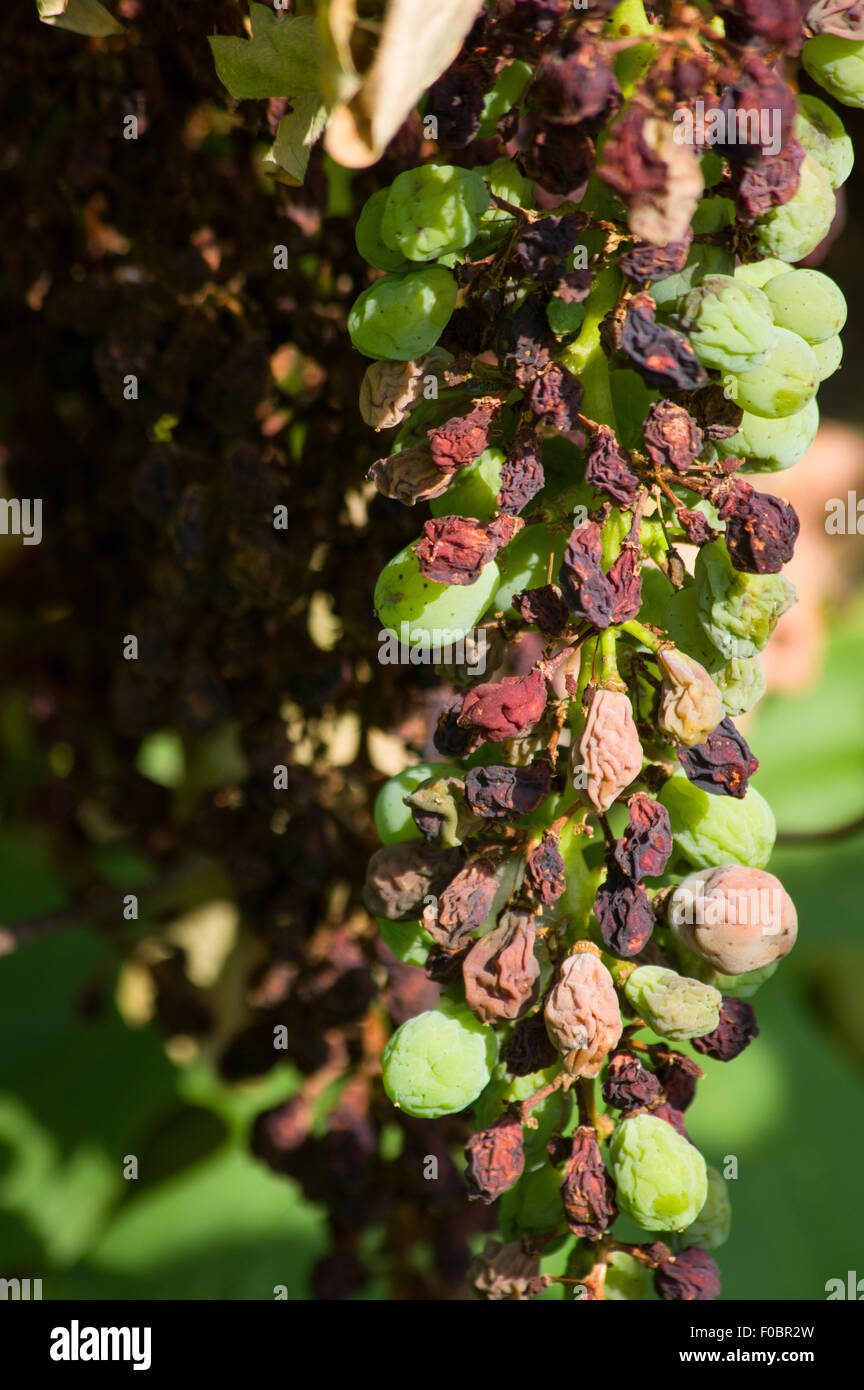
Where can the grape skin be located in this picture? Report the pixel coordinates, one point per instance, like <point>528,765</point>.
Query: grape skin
<point>442,612</point>
<point>367,235</point>
<point>837,65</point>
<point>729,323</point>
<point>438,1062</point>
<point>823,135</point>
<point>758,273</point>
<point>661,1179</point>
<point>807,303</point>
<point>714,830</point>
<point>828,356</point>
<point>769,446</point>
<point>433,210</point>
<point>796,228</point>
<point>524,564</point>
<point>784,385</point>
<point>402,316</point>
<point>474,491</point>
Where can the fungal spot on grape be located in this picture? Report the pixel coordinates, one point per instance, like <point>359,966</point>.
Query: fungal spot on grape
<point>130,1167</point>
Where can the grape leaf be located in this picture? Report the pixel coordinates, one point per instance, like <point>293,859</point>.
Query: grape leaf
<point>295,136</point>
<point>281,59</point>
<point>80,16</point>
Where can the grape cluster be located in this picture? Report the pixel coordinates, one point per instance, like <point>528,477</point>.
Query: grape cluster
<point>606,339</point>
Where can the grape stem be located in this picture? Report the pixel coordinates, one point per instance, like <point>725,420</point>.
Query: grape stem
<point>643,634</point>
<point>587,1102</point>
<point>533,1101</point>
<point>585,356</point>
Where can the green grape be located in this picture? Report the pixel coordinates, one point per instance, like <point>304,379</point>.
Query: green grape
<point>524,564</point>
<point>767,446</point>
<point>758,273</point>
<point>367,235</point>
<point>508,88</point>
<point>627,1279</point>
<point>661,1179</point>
<point>564,318</point>
<point>393,819</point>
<point>438,1062</point>
<point>432,210</point>
<point>742,986</point>
<point>675,1006</point>
<point>408,941</point>
<point>828,356</point>
<point>712,1225</point>
<point>474,490</point>
<point>681,621</point>
<point>509,183</point>
<point>837,65</point>
<point>729,324</point>
<point>702,261</point>
<point>533,1204</point>
<point>823,135</point>
<point>432,613</point>
<point>741,684</point>
<point>400,317</point>
<point>712,830</point>
<point>796,228</point>
<point>738,611</point>
<point>784,385</point>
<point>807,303</point>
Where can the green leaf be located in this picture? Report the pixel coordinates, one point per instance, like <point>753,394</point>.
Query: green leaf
<point>296,135</point>
<point>81,16</point>
<point>282,58</point>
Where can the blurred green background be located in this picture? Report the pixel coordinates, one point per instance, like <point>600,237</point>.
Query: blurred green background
<point>205,1220</point>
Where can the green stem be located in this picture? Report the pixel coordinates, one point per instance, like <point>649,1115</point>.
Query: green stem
<point>608,657</point>
<point>642,634</point>
<point>585,357</point>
